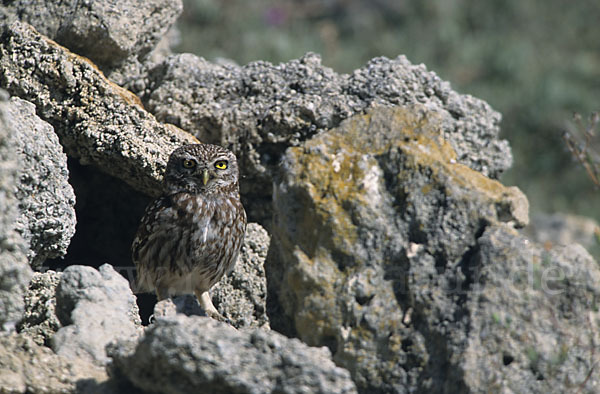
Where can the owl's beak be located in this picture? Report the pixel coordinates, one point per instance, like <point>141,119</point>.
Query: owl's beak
<point>205,177</point>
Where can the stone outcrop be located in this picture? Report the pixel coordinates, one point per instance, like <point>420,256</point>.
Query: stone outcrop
<point>119,37</point>
<point>97,122</point>
<point>261,109</point>
<point>391,249</point>
<point>533,318</point>
<point>379,253</point>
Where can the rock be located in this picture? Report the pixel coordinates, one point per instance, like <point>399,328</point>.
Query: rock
<point>39,321</point>
<point>563,229</point>
<point>196,354</point>
<point>46,199</point>
<point>533,318</point>
<point>30,368</point>
<point>241,296</point>
<point>375,223</point>
<point>109,32</point>
<point>96,121</point>
<point>95,307</point>
<point>15,272</point>
<point>115,35</point>
<point>261,109</point>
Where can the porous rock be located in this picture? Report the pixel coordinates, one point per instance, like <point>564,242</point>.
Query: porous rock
<point>261,109</point>
<point>46,199</point>
<point>184,354</point>
<point>241,296</point>
<point>375,222</point>
<point>534,318</point>
<point>563,229</point>
<point>39,321</point>
<point>97,121</point>
<point>15,271</point>
<point>26,367</point>
<point>118,36</point>
<point>95,308</point>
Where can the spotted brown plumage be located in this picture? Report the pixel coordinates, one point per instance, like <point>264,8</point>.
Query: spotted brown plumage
<point>190,236</point>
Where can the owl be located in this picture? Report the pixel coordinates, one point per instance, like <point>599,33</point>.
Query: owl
<point>190,236</point>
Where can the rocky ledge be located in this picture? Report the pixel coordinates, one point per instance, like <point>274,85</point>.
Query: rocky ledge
<point>384,254</point>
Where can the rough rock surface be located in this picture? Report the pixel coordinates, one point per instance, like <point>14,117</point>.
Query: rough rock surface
<point>534,320</point>
<point>46,199</point>
<point>391,244</point>
<point>374,223</point>
<point>261,109</point>
<point>26,367</point>
<point>15,272</point>
<point>563,229</point>
<point>39,321</point>
<point>95,308</point>
<point>118,36</point>
<point>96,121</point>
<point>196,354</point>
<point>240,296</point>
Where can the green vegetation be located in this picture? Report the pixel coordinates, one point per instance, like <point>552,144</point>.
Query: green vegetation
<point>535,61</point>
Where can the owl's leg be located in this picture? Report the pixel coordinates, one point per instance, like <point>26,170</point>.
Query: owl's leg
<point>207,305</point>
<point>162,293</point>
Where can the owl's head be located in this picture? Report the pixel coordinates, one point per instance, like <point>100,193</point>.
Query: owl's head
<point>201,168</point>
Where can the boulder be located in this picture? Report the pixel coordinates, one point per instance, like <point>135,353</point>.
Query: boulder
<point>46,199</point>
<point>96,121</point>
<point>118,36</point>
<point>95,308</point>
<point>261,109</point>
<point>193,354</point>
<point>15,271</point>
<point>26,367</point>
<point>533,318</point>
<point>375,225</point>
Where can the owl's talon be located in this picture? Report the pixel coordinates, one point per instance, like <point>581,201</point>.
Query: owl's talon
<point>217,316</point>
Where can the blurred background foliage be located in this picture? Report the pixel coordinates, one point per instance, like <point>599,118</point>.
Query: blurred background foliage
<point>535,61</point>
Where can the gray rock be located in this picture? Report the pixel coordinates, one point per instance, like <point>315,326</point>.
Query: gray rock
<point>533,318</point>
<point>241,296</point>
<point>109,32</point>
<point>373,232</point>
<point>46,199</point>
<point>97,121</point>
<point>116,35</point>
<point>563,229</point>
<point>15,272</point>
<point>30,368</point>
<point>95,307</point>
<point>261,109</point>
<point>39,321</point>
<point>196,354</point>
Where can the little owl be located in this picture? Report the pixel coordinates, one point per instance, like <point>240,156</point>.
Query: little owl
<point>190,236</point>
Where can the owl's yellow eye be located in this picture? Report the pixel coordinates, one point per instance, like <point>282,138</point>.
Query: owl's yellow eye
<point>221,164</point>
<point>187,163</point>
